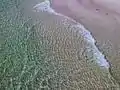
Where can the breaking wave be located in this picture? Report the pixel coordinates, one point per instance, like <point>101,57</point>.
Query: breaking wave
<point>97,55</point>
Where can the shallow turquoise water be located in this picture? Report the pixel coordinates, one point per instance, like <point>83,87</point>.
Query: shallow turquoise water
<point>21,55</point>
<point>26,61</point>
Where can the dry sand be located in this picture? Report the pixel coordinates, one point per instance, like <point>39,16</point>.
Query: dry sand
<point>102,19</point>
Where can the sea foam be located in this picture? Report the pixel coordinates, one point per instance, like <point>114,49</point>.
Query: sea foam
<point>97,55</point>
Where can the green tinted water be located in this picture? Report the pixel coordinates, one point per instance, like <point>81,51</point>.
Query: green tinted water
<point>27,61</point>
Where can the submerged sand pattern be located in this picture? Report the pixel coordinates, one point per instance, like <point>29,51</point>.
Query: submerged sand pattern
<point>47,51</point>
<point>45,6</point>
<point>74,67</point>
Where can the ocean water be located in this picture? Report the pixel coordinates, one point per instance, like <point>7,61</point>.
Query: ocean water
<point>100,59</point>
<point>46,51</point>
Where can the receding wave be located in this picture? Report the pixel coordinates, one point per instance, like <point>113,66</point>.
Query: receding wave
<point>97,55</point>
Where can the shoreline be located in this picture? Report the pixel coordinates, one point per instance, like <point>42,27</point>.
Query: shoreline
<point>102,21</point>
<point>42,51</point>
<point>102,62</point>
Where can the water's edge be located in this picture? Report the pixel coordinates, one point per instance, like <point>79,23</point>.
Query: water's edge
<point>101,61</point>
<point>45,6</point>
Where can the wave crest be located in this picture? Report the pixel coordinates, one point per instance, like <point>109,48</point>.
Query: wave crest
<point>97,55</point>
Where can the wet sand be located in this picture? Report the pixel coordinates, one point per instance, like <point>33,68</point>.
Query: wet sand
<point>41,52</point>
<point>72,70</point>
<point>102,19</point>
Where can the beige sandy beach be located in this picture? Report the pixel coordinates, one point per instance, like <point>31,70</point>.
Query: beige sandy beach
<point>45,51</point>
<point>102,19</point>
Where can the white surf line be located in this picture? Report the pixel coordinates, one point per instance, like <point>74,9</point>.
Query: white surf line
<point>44,7</point>
<point>97,55</point>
